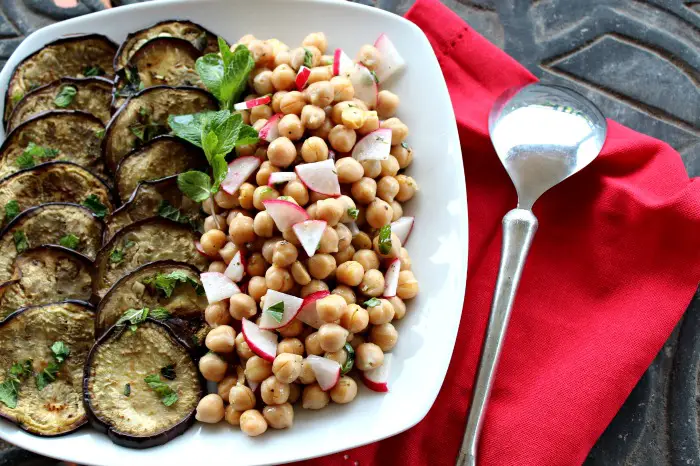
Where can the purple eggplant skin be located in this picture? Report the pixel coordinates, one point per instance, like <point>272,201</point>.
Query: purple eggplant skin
<point>131,441</point>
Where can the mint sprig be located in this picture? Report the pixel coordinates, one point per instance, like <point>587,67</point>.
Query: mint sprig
<point>226,74</point>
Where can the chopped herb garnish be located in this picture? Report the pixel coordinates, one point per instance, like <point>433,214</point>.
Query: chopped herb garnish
<point>100,133</point>
<point>134,317</point>
<point>27,159</point>
<point>404,145</point>
<point>20,239</point>
<point>159,313</point>
<point>16,97</point>
<point>168,371</point>
<point>350,361</point>
<point>93,71</point>
<point>225,74</point>
<point>93,203</point>
<point>195,184</point>
<point>65,96</point>
<point>308,58</point>
<point>9,389</point>
<point>353,213</point>
<point>59,352</point>
<point>116,256</point>
<point>11,210</point>
<point>374,76</point>
<point>372,302</point>
<point>166,283</point>
<point>69,241</point>
<point>276,311</point>
<point>127,389</point>
<point>163,390</point>
<point>385,239</point>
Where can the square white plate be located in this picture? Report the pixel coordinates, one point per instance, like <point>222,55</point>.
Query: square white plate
<point>438,243</point>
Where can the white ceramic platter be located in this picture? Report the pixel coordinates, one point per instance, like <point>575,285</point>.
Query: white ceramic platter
<point>438,244</point>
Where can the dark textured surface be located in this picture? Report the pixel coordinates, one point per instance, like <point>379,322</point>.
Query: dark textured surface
<point>639,61</point>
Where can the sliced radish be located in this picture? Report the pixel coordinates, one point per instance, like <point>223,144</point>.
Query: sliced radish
<point>375,146</point>
<point>365,86</point>
<point>308,313</point>
<point>342,63</point>
<point>403,227</point>
<point>302,77</point>
<point>320,177</point>
<point>390,61</point>
<point>281,177</point>
<point>200,249</point>
<point>326,371</point>
<point>309,234</point>
<point>378,379</point>
<point>236,268</point>
<point>253,386</point>
<point>354,229</point>
<point>218,286</point>
<point>238,172</point>
<point>261,342</point>
<point>331,155</point>
<point>285,213</point>
<point>290,308</point>
<point>269,132</point>
<point>248,104</point>
<point>391,278</point>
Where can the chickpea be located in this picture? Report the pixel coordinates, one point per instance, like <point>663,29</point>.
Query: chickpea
<point>215,314</point>
<point>346,293</point>
<point>245,40</point>
<point>307,376</point>
<point>290,236</point>
<point>217,266</point>
<point>300,274</point>
<point>331,210</point>
<point>369,56</point>
<point>350,273</point>
<point>393,252</point>
<point>314,398</point>
<point>312,344</point>
<point>269,247</point>
<point>294,392</point>
<point>372,283</point>
<point>277,100</point>
<point>340,356</point>
<point>241,397</point>
<point>355,319</point>
<point>321,266</point>
<point>242,306</point>
<point>320,93</point>
<point>242,349</point>
<point>345,390</point>
<point>336,114</point>
<point>263,193</point>
<point>407,188</point>
<point>290,127</point>
<point>287,367</point>
<point>210,207</point>
<point>390,166</point>
<point>320,73</point>
<point>399,307</point>
<point>387,103</point>
<point>214,222</point>
<point>210,409</point>
<point>372,168</point>
<point>353,117</point>
<point>367,258</point>
<point>349,170</point>
<point>332,337</point>
<point>381,313</point>
<point>225,200</point>
<point>314,149</point>
<point>408,285</point>
<point>278,279</point>
<point>331,307</point>
<point>379,213</point>
<point>263,174</point>
<point>280,416</point>
<point>397,209</point>
<point>368,356</point>
<point>385,336</point>
<point>257,126</point>
<point>283,57</point>
<point>262,83</point>
<point>364,191</point>
<point>403,154</point>
<point>274,392</point>
<point>282,78</point>
<point>342,138</point>
<point>312,287</point>
<point>284,254</point>
<point>291,345</point>
<point>212,241</point>
<point>405,259</point>
<point>399,131</point>
<point>257,287</point>
<point>212,367</point>
<point>297,56</point>
<point>316,39</point>
<point>281,152</point>
<point>261,112</point>
<point>241,230</point>
<point>252,423</point>
<point>362,241</point>
<point>222,339</point>
<point>344,256</point>
<point>257,369</point>
<point>297,191</point>
<point>292,329</point>
<point>232,416</point>
<point>323,130</point>
<point>329,241</point>
<point>387,188</point>
<point>292,102</point>
<point>263,225</point>
<point>342,89</point>
<point>224,387</point>
<point>312,117</point>
<point>261,51</point>
<point>227,252</point>
<point>343,232</point>
<point>245,196</point>
<point>257,265</point>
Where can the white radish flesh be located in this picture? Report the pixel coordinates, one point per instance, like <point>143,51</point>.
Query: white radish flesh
<point>321,177</point>
<point>290,308</point>
<point>342,63</point>
<point>375,146</point>
<point>218,286</point>
<point>378,379</point>
<point>309,234</point>
<point>402,228</point>
<point>363,83</point>
<point>269,132</point>
<point>236,268</point>
<point>238,172</point>
<point>326,371</point>
<point>391,278</point>
<point>308,313</point>
<point>390,61</point>
<point>248,104</point>
<point>281,177</point>
<point>261,342</point>
<point>285,213</point>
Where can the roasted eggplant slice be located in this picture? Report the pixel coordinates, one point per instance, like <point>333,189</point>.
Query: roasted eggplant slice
<point>145,116</point>
<point>69,225</point>
<point>159,158</point>
<point>77,56</point>
<point>45,397</point>
<point>199,37</point>
<point>174,286</point>
<point>46,274</point>
<point>152,199</point>
<point>161,61</point>
<point>53,182</point>
<point>67,135</point>
<point>90,95</point>
<point>120,401</point>
<point>142,242</point>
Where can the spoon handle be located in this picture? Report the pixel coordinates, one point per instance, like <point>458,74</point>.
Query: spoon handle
<point>519,227</point>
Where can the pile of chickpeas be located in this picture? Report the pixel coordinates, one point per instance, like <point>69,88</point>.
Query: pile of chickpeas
<point>322,121</point>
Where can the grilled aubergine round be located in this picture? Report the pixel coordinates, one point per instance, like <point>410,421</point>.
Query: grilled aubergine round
<point>77,56</point>
<point>122,404</point>
<point>69,135</point>
<point>46,274</point>
<point>28,335</point>
<point>159,158</point>
<point>145,116</point>
<point>55,182</point>
<point>90,95</point>
<point>142,242</point>
<point>199,37</point>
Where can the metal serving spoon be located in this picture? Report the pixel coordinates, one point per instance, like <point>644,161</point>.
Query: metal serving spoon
<point>542,135</point>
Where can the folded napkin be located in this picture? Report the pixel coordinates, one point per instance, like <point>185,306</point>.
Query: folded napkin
<point>614,264</point>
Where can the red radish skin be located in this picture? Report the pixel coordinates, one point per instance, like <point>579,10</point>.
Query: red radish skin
<point>375,146</point>
<point>269,132</point>
<point>378,379</point>
<point>309,234</point>
<point>281,177</point>
<point>391,278</point>
<point>403,228</point>
<point>200,249</point>
<point>284,213</point>
<point>308,313</point>
<point>320,177</point>
<point>235,269</point>
<point>342,63</point>
<point>326,371</point>
<point>248,104</point>
<point>218,286</point>
<point>292,306</point>
<point>390,61</point>
<point>302,77</point>
<point>261,342</point>
<point>238,172</point>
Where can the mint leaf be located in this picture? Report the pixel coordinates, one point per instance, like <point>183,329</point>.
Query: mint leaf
<point>374,76</point>
<point>168,372</point>
<point>133,317</point>
<point>22,369</point>
<point>219,169</point>
<point>210,143</point>
<point>60,351</point>
<point>350,361</point>
<point>93,203</point>
<point>20,240</point>
<point>166,283</point>
<point>163,390</point>
<point>93,71</point>
<point>9,389</point>
<point>226,74</point>
<point>385,239</point>
<point>308,58</point>
<point>372,302</point>
<point>25,160</point>
<point>404,145</point>
<point>247,135</point>
<point>69,241</point>
<point>65,96</point>
<point>210,68</point>
<point>116,256</point>
<point>188,127</point>
<point>11,210</point>
<point>195,184</point>
<point>33,151</point>
<point>159,313</point>
<point>276,311</point>
<point>353,213</point>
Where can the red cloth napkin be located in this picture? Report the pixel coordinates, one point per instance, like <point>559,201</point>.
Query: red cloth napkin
<point>614,264</point>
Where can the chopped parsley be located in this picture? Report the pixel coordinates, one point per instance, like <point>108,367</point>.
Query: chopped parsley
<point>16,97</point>
<point>100,133</point>
<point>353,213</point>
<point>166,282</point>
<point>59,352</point>
<point>385,239</point>
<point>134,317</point>
<point>9,389</point>
<point>350,361</point>
<point>308,58</point>
<point>116,256</point>
<point>65,96</point>
<point>374,76</point>
<point>404,145</point>
<point>11,210</point>
<point>20,239</point>
<point>276,311</point>
<point>27,159</point>
<point>167,396</point>
<point>93,203</point>
<point>372,302</point>
<point>69,241</point>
